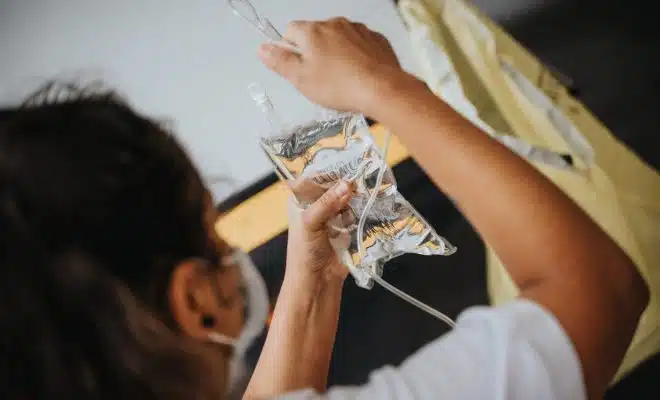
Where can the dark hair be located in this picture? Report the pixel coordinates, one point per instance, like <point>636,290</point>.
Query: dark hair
<point>97,206</point>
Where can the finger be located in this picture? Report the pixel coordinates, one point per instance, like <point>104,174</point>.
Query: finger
<point>327,207</point>
<point>293,209</point>
<point>387,46</point>
<point>339,20</point>
<point>381,38</point>
<point>307,190</point>
<point>346,25</point>
<point>360,27</point>
<point>280,60</point>
<point>298,32</point>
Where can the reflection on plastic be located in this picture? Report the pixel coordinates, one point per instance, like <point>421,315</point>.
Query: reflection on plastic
<point>340,147</point>
<point>376,277</point>
<point>313,157</point>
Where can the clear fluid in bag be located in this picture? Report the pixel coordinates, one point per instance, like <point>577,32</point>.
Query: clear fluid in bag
<point>313,157</point>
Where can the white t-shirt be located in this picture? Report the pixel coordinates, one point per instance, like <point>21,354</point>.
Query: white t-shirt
<point>516,351</point>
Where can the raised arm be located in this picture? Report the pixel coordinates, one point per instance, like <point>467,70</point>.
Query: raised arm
<point>554,252</point>
<point>299,344</point>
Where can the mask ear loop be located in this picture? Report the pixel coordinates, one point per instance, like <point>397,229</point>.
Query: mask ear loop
<point>219,338</point>
<point>371,270</point>
<point>216,337</point>
<point>256,298</point>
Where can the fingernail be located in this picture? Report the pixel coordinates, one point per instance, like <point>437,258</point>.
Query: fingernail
<point>342,189</point>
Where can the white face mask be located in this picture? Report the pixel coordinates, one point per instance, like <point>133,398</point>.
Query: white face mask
<point>257,307</point>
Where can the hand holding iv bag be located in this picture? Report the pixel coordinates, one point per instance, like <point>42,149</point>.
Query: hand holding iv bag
<point>339,146</point>
<point>378,224</point>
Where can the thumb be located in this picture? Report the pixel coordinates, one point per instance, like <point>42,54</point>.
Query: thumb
<point>327,206</point>
<point>279,59</point>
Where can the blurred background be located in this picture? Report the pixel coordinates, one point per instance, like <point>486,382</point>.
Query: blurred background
<point>187,61</point>
<point>191,62</point>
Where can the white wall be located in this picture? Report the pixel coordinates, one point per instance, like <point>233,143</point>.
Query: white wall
<point>190,61</point>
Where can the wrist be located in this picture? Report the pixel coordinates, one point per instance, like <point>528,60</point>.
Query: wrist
<point>313,284</point>
<point>308,300</point>
<point>389,85</point>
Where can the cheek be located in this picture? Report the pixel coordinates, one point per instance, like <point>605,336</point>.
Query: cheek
<point>234,315</point>
<point>236,319</point>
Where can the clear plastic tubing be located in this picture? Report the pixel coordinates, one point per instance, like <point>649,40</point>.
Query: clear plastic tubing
<point>360,233</point>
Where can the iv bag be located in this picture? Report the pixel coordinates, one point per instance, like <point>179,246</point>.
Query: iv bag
<point>312,157</point>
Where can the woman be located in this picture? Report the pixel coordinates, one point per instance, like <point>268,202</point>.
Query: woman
<point>116,287</point>
<point>114,282</point>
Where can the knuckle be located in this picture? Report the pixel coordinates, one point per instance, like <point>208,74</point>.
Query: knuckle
<point>380,38</point>
<point>314,28</point>
<point>296,25</point>
<point>338,20</point>
<point>328,199</point>
<point>307,218</point>
<point>299,29</point>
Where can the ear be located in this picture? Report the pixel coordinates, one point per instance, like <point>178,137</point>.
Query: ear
<point>191,298</point>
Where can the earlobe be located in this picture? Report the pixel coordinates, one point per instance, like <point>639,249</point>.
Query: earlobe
<point>189,298</point>
<point>196,300</point>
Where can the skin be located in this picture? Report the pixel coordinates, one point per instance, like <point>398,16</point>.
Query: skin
<point>197,291</point>
<point>306,314</point>
<point>557,256</point>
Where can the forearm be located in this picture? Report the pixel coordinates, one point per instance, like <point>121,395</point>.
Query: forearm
<point>299,344</point>
<point>553,251</point>
<point>501,194</point>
